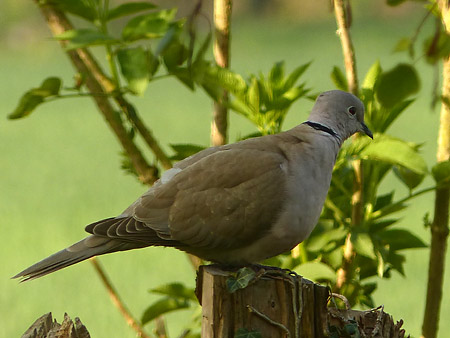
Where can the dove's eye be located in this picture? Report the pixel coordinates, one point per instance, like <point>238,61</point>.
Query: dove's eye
<point>351,110</point>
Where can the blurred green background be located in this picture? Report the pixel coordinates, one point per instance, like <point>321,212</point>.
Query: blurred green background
<point>60,168</point>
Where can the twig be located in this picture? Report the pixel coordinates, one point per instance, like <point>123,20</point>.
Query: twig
<point>343,298</point>
<point>222,20</point>
<point>117,301</point>
<point>251,309</point>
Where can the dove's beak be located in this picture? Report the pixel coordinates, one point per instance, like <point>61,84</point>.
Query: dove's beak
<point>366,130</point>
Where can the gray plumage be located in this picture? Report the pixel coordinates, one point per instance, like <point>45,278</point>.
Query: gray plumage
<point>235,204</point>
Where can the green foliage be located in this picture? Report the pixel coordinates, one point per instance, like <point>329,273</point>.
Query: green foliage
<point>378,245</point>
<point>134,65</point>
<point>240,280</point>
<point>176,297</point>
<point>128,8</point>
<point>49,88</point>
<point>244,333</point>
<point>441,173</point>
<point>338,78</point>
<point>316,271</point>
<point>264,100</point>
<point>80,38</point>
<point>396,85</point>
<point>184,150</point>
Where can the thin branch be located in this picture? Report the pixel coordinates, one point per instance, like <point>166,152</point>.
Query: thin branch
<point>97,82</point>
<point>146,134</point>
<point>222,20</point>
<point>343,14</point>
<point>117,301</point>
<point>440,224</point>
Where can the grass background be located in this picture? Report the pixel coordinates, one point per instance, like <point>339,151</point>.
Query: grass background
<point>60,170</point>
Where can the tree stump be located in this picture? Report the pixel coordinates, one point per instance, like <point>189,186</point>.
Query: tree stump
<point>45,327</point>
<point>278,304</point>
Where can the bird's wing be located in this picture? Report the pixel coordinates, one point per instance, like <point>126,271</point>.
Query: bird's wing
<point>224,200</point>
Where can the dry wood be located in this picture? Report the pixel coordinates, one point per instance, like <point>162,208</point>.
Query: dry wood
<point>277,304</point>
<point>373,323</point>
<point>45,327</point>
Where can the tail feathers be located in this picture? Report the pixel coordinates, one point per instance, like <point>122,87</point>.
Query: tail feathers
<point>89,247</point>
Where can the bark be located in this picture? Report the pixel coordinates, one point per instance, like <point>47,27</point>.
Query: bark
<point>343,19</point>
<point>439,226</point>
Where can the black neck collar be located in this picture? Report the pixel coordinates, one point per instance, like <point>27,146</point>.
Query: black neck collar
<point>321,127</point>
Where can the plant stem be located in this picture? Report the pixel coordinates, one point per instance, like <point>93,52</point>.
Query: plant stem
<point>222,20</point>
<point>343,13</point>
<point>97,82</point>
<point>439,226</point>
<point>117,301</point>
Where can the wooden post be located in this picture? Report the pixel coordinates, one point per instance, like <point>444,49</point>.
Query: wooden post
<point>277,304</point>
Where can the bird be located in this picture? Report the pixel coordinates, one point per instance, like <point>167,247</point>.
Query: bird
<point>235,204</point>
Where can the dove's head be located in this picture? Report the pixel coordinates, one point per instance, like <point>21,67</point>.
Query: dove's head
<point>340,111</point>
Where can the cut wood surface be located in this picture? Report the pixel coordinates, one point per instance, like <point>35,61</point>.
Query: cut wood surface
<point>280,304</point>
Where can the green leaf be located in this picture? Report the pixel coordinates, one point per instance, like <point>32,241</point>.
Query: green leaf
<point>441,173</point>
<point>410,178</point>
<point>253,96</point>
<point>184,150</point>
<point>128,9</point>
<point>82,8</point>
<point>294,76</point>
<point>27,104</point>
<point>437,47</point>
<point>316,271</point>
<point>372,76</point>
<point>175,55</point>
<point>384,119</point>
<point>227,79</point>
<point>400,239</point>
<point>338,78</point>
<point>276,74</point>
<point>397,84</point>
<point>80,38</point>
<point>404,44</point>
<point>149,26</point>
<point>204,47</point>
<point>162,306</point>
<point>244,333</point>
<point>395,151</point>
<point>383,200</point>
<point>363,245</point>
<point>317,243</point>
<point>243,277</point>
<point>134,66</point>
<point>175,290</point>
<point>171,35</point>
<point>34,97</point>
<point>50,86</point>
<point>395,2</point>
<point>185,76</point>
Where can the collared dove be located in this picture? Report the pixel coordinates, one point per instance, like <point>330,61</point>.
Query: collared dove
<point>234,204</point>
